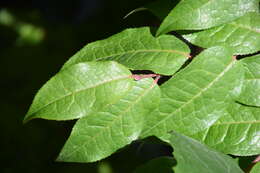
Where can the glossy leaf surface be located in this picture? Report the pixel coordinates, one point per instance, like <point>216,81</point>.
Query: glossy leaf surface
<point>195,157</point>
<point>251,88</point>
<point>203,14</point>
<point>236,132</point>
<point>242,35</point>
<point>137,49</point>
<point>80,89</point>
<point>196,97</point>
<point>98,135</point>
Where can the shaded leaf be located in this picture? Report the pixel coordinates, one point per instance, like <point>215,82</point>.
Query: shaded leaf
<point>203,14</point>
<point>195,157</point>
<point>196,97</point>
<point>250,94</point>
<point>80,89</point>
<point>137,49</point>
<point>242,35</point>
<point>161,164</point>
<point>237,132</point>
<point>98,135</point>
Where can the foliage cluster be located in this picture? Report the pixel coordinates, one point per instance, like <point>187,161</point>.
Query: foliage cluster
<point>209,107</point>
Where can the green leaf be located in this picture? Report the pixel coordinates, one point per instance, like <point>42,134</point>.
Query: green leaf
<point>250,94</point>
<point>196,97</point>
<point>100,134</point>
<point>158,165</point>
<point>203,14</point>
<point>195,157</point>
<point>243,35</point>
<point>161,8</point>
<point>256,168</point>
<point>236,132</point>
<point>137,49</point>
<point>80,89</point>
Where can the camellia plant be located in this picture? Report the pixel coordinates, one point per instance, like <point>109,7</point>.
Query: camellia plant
<point>205,105</point>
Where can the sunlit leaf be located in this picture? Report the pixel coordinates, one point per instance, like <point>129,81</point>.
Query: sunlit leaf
<point>250,94</point>
<point>196,97</point>
<point>236,132</point>
<point>76,91</point>
<point>99,134</point>
<point>242,35</point>
<point>256,168</point>
<point>203,14</point>
<point>137,49</point>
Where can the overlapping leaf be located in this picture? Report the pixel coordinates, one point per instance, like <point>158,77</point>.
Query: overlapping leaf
<point>250,94</point>
<point>195,157</point>
<point>236,132</point>
<point>242,35</point>
<point>80,89</point>
<point>100,134</point>
<point>137,49</point>
<point>203,14</point>
<point>195,98</point>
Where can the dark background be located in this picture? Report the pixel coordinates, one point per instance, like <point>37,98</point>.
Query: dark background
<point>36,38</point>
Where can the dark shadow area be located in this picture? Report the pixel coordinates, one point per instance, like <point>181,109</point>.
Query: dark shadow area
<point>36,38</point>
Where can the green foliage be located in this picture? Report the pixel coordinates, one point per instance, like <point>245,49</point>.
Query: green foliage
<point>101,133</point>
<point>256,168</point>
<point>137,49</point>
<point>64,96</point>
<point>246,27</point>
<point>196,97</point>
<point>251,87</point>
<point>236,132</point>
<point>211,100</point>
<point>203,14</point>
<point>195,157</point>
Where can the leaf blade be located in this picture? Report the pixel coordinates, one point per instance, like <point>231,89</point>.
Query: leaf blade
<point>237,132</point>
<point>193,156</point>
<point>98,135</point>
<point>190,15</point>
<point>250,94</point>
<point>137,49</point>
<point>238,34</point>
<point>80,89</point>
<point>256,168</point>
<point>195,98</point>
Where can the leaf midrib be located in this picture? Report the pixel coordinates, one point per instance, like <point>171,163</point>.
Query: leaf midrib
<point>78,91</point>
<point>194,97</point>
<point>237,122</point>
<point>244,27</point>
<point>140,51</point>
<point>115,120</point>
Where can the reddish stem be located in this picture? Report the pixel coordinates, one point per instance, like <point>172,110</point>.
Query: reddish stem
<point>257,159</point>
<point>142,76</point>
